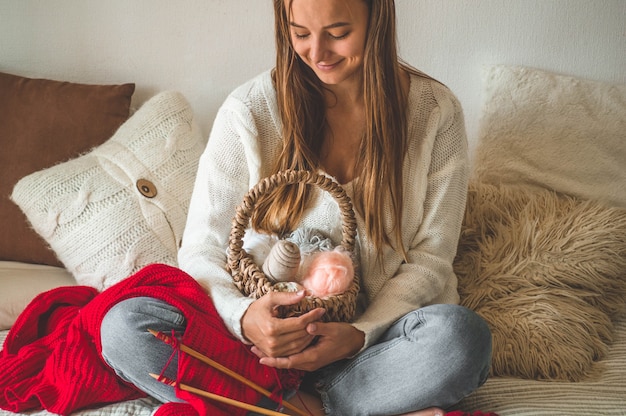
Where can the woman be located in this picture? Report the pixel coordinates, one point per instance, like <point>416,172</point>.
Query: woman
<point>340,102</point>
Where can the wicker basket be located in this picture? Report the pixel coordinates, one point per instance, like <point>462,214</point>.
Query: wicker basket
<point>249,277</point>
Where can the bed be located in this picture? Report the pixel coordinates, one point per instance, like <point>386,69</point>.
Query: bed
<point>542,254</point>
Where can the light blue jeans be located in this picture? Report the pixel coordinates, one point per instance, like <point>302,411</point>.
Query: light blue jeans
<point>433,356</point>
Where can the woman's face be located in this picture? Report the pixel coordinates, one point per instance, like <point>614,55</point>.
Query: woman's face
<point>329,36</point>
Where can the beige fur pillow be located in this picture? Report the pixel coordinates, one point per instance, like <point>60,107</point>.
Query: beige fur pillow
<point>547,272</point>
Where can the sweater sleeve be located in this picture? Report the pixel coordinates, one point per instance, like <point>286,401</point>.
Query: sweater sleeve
<point>227,168</point>
<point>434,202</point>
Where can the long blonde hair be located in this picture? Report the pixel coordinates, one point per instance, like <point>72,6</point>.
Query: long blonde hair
<point>378,185</point>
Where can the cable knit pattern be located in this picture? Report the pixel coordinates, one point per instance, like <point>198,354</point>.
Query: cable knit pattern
<point>245,143</point>
<point>122,206</point>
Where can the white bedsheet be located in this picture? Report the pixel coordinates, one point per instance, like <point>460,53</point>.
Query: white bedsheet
<point>605,396</point>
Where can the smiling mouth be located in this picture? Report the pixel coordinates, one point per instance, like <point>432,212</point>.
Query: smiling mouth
<point>327,67</point>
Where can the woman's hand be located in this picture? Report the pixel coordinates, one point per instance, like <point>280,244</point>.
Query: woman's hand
<point>278,337</point>
<point>335,341</point>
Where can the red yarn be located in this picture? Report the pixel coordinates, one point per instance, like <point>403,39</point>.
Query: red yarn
<point>173,341</point>
<point>51,358</point>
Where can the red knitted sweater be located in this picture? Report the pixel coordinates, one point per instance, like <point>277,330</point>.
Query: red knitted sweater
<point>51,358</point>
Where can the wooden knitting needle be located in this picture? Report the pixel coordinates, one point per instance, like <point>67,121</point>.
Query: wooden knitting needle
<point>225,370</point>
<point>218,398</point>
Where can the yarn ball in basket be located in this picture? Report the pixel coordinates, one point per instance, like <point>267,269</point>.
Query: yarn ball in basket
<point>304,260</point>
<point>327,273</point>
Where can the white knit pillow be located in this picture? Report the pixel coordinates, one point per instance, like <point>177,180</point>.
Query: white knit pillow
<point>123,205</point>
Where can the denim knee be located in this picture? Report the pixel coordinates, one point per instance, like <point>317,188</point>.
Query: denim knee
<point>468,336</point>
<point>433,356</point>
<point>137,314</point>
<point>130,350</point>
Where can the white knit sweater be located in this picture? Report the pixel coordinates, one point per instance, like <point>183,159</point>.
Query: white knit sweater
<point>245,142</point>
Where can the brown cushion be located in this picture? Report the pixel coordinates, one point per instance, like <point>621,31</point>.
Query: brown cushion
<point>44,122</point>
<point>547,273</point>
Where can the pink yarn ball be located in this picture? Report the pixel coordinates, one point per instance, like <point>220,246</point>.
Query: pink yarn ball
<point>327,273</point>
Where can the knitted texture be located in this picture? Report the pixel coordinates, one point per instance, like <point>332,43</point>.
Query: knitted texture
<point>122,206</point>
<point>51,358</point>
<point>244,145</point>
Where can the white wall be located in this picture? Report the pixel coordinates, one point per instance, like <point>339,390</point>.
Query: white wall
<point>204,48</point>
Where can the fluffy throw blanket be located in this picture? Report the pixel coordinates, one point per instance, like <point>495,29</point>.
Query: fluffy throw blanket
<point>51,358</point>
